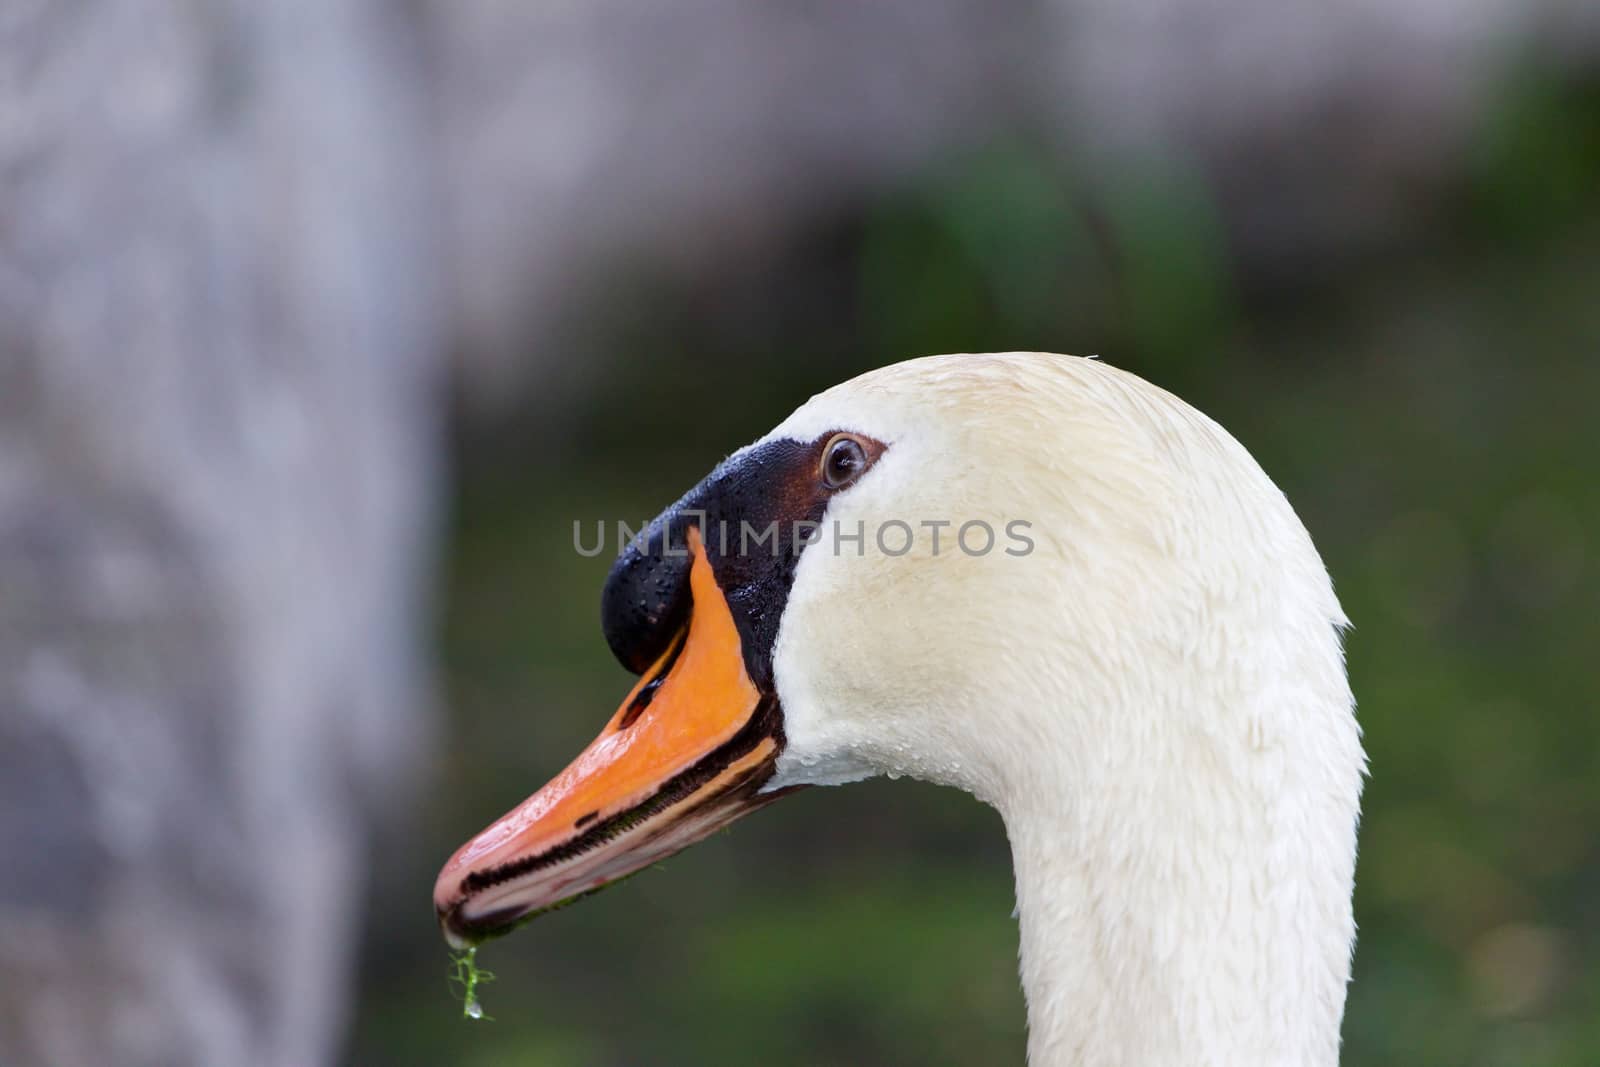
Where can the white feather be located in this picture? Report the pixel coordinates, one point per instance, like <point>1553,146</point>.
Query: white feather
<point>1154,698</point>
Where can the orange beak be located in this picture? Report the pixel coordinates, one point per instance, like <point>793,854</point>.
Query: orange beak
<point>685,754</point>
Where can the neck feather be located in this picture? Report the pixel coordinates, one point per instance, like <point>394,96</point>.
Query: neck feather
<point>1193,906</point>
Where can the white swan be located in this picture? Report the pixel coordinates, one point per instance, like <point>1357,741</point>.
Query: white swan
<point>1153,696</point>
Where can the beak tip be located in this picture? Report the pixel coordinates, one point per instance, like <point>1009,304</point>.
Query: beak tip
<point>449,899</point>
<point>451,926</point>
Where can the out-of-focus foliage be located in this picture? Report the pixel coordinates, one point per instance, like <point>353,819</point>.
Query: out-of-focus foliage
<point>1429,408</point>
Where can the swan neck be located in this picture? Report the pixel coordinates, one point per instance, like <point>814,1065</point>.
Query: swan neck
<point>1172,946</point>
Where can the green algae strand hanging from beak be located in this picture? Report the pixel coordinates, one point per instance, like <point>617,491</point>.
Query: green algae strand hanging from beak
<point>469,976</point>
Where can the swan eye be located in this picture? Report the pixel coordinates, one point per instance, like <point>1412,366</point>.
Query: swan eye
<point>843,461</point>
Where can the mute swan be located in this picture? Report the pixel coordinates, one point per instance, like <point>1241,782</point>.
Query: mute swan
<point>1150,690</point>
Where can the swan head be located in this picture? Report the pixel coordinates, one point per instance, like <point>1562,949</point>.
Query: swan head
<point>1033,577</point>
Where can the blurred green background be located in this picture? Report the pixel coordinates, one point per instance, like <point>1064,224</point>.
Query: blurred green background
<point>1427,404</point>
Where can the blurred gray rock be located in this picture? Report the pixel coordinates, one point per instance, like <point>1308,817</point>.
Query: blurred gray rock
<point>217,459</point>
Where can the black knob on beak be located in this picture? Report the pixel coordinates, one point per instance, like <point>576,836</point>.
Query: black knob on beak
<point>646,597</point>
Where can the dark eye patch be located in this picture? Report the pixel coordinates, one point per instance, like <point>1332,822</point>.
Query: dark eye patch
<point>645,602</point>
